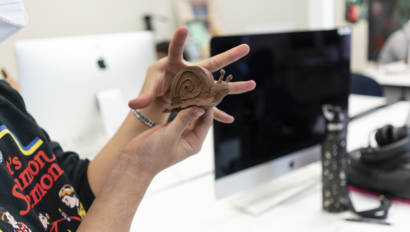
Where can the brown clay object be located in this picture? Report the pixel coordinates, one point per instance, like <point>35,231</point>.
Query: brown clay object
<point>195,86</point>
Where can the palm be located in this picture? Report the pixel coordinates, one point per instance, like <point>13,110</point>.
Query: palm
<point>157,87</point>
<point>165,145</point>
<point>166,76</point>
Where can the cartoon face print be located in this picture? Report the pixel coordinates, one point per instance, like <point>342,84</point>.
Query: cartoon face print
<point>6,216</point>
<point>44,219</point>
<point>71,201</point>
<point>68,197</point>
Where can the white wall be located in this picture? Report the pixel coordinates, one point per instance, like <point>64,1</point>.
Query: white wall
<point>50,18</point>
<point>239,16</point>
<point>359,38</point>
<point>321,14</point>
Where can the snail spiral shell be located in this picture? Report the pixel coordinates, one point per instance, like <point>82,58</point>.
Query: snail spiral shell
<point>190,83</point>
<point>195,86</point>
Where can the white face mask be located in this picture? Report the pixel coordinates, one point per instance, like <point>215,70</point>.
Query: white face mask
<point>13,17</point>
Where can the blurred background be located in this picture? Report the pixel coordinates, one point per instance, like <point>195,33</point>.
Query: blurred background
<point>79,77</point>
<point>71,18</point>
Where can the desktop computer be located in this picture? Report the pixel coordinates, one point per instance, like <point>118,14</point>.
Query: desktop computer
<point>279,126</point>
<point>72,84</point>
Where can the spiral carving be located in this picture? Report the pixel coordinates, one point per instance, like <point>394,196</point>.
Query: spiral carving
<point>187,86</point>
<point>195,86</point>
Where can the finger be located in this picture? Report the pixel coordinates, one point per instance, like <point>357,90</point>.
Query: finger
<point>176,47</point>
<point>152,86</point>
<point>241,87</point>
<point>4,73</point>
<point>183,120</point>
<point>142,101</point>
<point>149,96</point>
<point>221,60</point>
<point>201,127</point>
<point>223,117</point>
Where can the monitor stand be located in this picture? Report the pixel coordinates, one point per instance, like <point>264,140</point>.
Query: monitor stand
<point>283,189</point>
<point>112,108</point>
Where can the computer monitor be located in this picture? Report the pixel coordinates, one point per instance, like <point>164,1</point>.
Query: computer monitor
<point>60,79</point>
<point>387,17</point>
<point>279,126</point>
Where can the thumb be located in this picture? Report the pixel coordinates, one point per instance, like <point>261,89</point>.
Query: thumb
<point>145,99</point>
<point>141,102</point>
<point>183,119</point>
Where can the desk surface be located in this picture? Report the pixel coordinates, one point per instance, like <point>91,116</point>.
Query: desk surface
<point>395,74</point>
<point>202,163</point>
<point>191,206</point>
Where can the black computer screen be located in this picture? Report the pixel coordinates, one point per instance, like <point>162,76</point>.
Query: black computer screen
<point>296,74</point>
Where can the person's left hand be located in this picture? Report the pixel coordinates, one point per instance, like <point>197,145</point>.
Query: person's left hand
<point>160,74</point>
<point>167,144</point>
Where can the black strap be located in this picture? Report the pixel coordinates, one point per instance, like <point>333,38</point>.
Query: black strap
<point>377,213</point>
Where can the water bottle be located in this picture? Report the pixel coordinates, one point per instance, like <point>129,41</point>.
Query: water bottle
<point>334,160</point>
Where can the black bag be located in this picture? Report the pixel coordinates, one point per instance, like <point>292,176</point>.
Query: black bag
<point>384,169</point>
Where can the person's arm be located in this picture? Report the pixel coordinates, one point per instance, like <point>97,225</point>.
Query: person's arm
<point>105,160</point>
<point>140,160</point>
<point>394,49</point>
<point>118,200</point>
<point>154,98</point>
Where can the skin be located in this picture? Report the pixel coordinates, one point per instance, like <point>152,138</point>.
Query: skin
<point>155,97</point>
<point>9,79</point>
<point>122,171</point>
<point>142,158</point>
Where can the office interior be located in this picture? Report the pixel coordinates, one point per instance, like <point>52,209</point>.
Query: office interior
<point>277,193</point>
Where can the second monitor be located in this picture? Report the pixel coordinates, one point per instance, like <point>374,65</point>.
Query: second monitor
<point>279,126</point>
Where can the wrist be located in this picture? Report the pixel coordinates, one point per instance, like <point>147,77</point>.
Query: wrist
<point>129,165</point>
<point>116,203</point>
<point>155,113</point>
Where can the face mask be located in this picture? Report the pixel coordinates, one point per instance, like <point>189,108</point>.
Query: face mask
<point>13,17</point>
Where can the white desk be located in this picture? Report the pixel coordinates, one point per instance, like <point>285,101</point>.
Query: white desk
<point>202,163</point>
<point>360,103</point>
<point>395,79</point>
<point>394,74</point>
<point>191,206</point>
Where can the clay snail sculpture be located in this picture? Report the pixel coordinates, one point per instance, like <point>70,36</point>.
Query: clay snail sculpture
<point>195,86</point>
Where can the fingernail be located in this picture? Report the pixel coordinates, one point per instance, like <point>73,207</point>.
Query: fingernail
<point>199,112</point>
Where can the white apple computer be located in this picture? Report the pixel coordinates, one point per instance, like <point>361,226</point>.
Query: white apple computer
<point>77,88</point>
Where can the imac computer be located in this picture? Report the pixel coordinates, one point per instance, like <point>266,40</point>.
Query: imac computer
<point>77,88</point>
<point>279,126</point>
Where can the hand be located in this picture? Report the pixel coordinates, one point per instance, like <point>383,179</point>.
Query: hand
<point>167,144</point>
<point>156,88</point>
<point>10,80</point>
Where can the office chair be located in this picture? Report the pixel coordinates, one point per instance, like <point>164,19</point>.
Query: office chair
<point>364,85</point>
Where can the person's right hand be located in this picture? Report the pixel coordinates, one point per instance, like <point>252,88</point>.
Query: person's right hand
<point>167,144</point>
<point>10,80</point>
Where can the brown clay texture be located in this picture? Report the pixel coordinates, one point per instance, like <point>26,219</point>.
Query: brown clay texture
<point>195,86</point>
